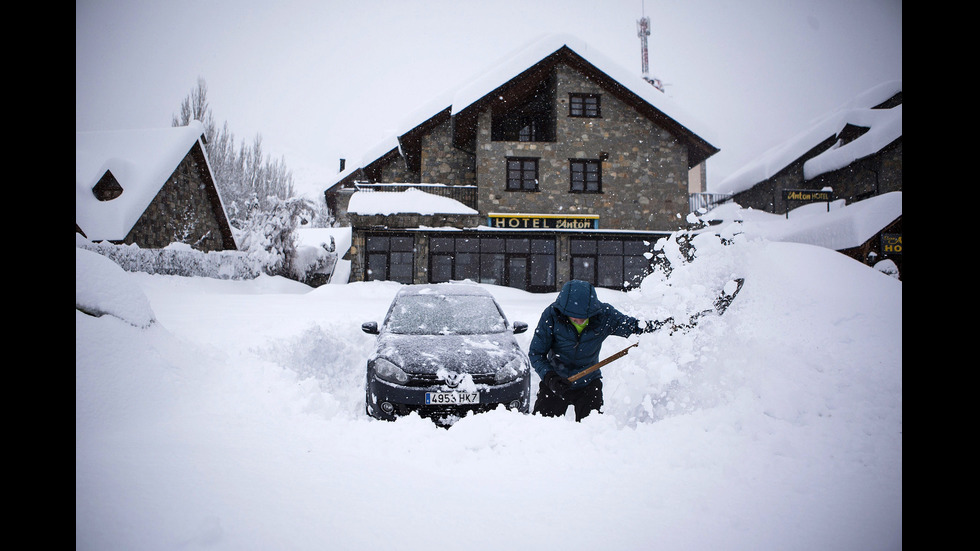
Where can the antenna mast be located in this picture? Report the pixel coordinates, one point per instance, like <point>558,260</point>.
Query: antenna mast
<point>643,31</point>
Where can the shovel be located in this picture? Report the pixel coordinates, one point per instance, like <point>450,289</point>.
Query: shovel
<point>721,304</point>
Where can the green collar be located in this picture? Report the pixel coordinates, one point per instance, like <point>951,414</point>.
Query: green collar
<point>578,327</point>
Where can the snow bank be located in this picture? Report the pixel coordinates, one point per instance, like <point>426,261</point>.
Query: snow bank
<point>237,421</point>
<point>102,288</point>
<point>835,227</point>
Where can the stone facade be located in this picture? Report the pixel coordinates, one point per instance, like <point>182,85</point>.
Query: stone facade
<point>644,167</point>
<point>442,162</point>
<point>184,211</point>
<point>641,193</point>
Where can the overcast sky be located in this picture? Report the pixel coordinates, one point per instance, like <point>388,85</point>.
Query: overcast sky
<point>321,80</point>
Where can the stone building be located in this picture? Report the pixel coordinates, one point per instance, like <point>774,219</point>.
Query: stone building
<point>850,155</point>
<point>855,151</point>
<point>150,188</point>
<point>561,165</point>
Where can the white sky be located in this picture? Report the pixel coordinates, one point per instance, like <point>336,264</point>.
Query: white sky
<point>321,80</point>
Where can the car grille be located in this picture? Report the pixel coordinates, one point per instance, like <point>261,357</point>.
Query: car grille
<point>431,379</point>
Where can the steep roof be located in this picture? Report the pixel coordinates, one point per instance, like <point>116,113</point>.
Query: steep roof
<point>141,161</point>
<point>529,62</point>
<point>884,126</point>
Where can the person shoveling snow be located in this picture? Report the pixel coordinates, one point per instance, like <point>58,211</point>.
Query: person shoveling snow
<point>567,340</point>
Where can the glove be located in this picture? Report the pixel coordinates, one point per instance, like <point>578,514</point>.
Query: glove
<point>556,383</point>
<point>655,325</point>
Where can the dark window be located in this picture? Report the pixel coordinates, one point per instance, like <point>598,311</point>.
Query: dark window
<point>389,258</point>
<point>586,175</point>
<point>543,263</point>
<point>610,262</point>
<point>107,188</point>
<point>492,260</point>
<point>526,115</point>
<point>522,174</point>
<point>584,105</point>
<point>524,263</point>
<point>609,266</point>
<point>441,269</point>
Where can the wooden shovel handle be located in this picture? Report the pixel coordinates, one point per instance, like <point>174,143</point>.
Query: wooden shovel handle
<point>608,360</point>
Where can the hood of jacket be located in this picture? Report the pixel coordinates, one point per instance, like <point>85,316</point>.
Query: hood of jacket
<point>578,299</point>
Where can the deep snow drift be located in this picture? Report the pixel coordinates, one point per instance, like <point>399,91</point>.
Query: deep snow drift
<point>235,420</point>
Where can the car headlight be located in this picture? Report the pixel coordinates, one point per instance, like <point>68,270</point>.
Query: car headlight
<point>390,372</point>
<point>511,371</point>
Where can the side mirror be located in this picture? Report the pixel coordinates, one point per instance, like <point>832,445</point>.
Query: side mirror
<point>519,327</point>
<point>370,327</point>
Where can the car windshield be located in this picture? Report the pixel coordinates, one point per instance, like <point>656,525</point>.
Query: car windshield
<point>437,314</point>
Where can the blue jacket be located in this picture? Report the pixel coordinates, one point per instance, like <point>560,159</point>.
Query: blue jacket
<point>557,346</point>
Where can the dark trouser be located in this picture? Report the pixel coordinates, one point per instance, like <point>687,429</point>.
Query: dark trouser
<point>586,400</point>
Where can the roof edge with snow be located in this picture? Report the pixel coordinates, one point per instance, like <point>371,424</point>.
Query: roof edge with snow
<point>885,126</point>
<point>546,50</point>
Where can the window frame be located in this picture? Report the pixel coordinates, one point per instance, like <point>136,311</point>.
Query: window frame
<point>527,262</point>
<point>522,180</point>
<point>578,105</point>
<point>610,262</point>
<point>585,184</point>
<point>397,253</point>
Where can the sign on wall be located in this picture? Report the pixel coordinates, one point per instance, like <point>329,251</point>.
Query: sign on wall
<point>891,243</point>
<point>807,195</point>
<point>544,221</point>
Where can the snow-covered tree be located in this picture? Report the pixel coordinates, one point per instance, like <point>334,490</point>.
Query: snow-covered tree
<point>271,232</point>
<point>241,172</point>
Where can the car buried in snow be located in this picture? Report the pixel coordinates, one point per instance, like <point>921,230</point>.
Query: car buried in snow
<point>443,351</point>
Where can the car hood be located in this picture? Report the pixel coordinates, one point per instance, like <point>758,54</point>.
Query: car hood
<point>459,353</point>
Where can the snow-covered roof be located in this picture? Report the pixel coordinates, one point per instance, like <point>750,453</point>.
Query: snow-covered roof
<point>408,201</point>
<point>512,65</point>
<point>842,227</point>
<point>885,126</point>
<point>141,162</point>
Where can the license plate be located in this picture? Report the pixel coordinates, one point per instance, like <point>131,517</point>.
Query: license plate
<point>451,398</point>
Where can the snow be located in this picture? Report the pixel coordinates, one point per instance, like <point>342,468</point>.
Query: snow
<point>516,62</point>
<point>140,160</point>
<point>409,201</point>
<point>236,419</point>
<point>885,126</point>
<point>509,67</point>
<point>836,226</point>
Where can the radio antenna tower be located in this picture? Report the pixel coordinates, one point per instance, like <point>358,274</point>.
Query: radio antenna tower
<point>643,31</point>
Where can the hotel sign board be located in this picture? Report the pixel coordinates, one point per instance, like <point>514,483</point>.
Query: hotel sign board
<point>891,243</point>
<point>807,195</point>
<point>544,221</point>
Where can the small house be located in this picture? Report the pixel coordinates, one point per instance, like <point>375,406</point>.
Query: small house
<point>151,188</point>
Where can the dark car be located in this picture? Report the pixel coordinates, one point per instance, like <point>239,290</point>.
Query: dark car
<point>445,350</point>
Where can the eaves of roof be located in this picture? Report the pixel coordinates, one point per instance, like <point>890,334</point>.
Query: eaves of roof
<point>529,64</point>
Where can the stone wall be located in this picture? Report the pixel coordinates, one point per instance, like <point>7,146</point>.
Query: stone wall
<point>644,171</point>
<point>444,164</point>
<point>181,212</point>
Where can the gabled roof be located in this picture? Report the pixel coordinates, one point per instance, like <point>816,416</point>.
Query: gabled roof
<point>525,66</point>
<point>879,125</point>
<point>140,161</point>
